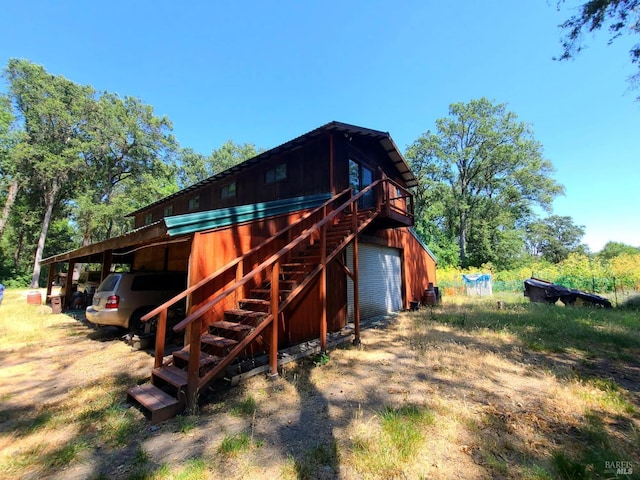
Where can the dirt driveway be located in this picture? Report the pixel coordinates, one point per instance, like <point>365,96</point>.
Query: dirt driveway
<point>497,410</point>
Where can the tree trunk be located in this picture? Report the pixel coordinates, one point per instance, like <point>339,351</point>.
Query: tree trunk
<point>49,201</point>
<point>18,251</point>
<point>462,242</point>
<point>11,198</point>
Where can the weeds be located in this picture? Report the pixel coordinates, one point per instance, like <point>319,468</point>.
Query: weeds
<point>320,460</point>
<point>244,408</point>
<point>233,445</point>
<point>384,453</point>
<point>321,359</point>
<point>65,455</point>
<point>186,423</point>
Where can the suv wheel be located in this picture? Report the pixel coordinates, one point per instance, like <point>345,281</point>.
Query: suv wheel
<point>137,326</point>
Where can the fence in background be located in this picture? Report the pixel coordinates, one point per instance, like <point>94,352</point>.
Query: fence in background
<point>589,285</point>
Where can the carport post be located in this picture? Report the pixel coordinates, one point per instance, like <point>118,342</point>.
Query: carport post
<point>52,271</point>
<point>68,288</point>
<point>107,256</point>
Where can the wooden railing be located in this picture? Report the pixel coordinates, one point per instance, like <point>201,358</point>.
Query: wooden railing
<point>283,236</point>
<point>397,199</point>
<point>309,229</point>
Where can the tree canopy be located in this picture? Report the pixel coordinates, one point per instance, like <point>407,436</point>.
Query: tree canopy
<point>619,16</point>
<point>612,250</point>
<point>52,110</point>
<point>196,167</point>
<point>554,238</point>
<point>74,162</point>
<point>480,176</point>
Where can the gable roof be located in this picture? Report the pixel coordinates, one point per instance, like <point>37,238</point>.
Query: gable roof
<point>385,140</point>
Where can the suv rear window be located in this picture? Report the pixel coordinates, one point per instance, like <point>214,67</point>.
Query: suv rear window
<point>161,281</point>
<point>109,283</point>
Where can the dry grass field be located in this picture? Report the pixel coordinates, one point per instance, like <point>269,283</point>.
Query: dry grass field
<point>463,390</point>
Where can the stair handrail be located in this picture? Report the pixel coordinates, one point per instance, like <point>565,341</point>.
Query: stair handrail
<point>195,318</point>
<point>273,258</point>
<point>205,281</point>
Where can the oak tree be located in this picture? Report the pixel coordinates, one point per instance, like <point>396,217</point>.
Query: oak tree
<point>481,170</point>
<point>52,110</point>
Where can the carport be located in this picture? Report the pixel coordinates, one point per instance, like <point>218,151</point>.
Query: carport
<point>146,248</point>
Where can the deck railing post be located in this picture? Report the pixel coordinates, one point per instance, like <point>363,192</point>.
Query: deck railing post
<point>323,287</point>
<point>193,369</point>
<point>161,332</point>
<point>275,307</point>
<point>356,293</point>
<point>239,275</point>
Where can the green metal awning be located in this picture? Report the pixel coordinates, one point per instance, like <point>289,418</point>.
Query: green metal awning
<point>223,217</point>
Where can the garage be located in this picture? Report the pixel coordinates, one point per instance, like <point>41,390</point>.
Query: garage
<point>380,274</point>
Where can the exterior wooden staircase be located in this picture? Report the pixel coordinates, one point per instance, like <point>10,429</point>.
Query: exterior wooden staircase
<point>246,322</point>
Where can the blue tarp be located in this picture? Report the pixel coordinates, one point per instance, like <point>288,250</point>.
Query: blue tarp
<point>478,284</point>
<point>476,277</point>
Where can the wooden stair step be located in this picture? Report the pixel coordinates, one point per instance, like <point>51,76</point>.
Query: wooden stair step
<point>218,342</point>
<point>308,259</point>
<point>255,304</point>
<point>293,265</point>
<point>283,284</point>
<point>296,268</point>
<point>206,359</point>
<point>160,404</point>
<point>172,375</point>
<point>242,313</point>
<point>298,274</point>
<point>262,292</point>
<point>232,326</point>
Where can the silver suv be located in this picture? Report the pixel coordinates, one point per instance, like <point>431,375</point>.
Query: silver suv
<point>123,298</point>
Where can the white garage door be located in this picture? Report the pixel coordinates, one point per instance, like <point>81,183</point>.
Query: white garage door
<point>380,276</point>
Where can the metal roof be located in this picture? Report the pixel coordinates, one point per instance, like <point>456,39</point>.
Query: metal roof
<point>222,217</point>
<point>386,142</point>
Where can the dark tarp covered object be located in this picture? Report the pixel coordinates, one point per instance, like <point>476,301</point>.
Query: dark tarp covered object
<point>542,291</point>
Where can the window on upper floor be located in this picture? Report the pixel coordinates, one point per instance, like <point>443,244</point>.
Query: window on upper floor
<point>168,211</point>
<point>148,218</point>
<point>276,174</point>
<point>228,191</point>
<point>194,203</point>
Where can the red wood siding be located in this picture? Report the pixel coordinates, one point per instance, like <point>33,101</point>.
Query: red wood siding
<point>171,257</point>
<point>307,174</point>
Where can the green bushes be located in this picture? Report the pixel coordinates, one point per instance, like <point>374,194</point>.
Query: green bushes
<point>587,273</point>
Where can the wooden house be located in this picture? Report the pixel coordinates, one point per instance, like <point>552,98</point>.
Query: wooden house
<point>285,247</point>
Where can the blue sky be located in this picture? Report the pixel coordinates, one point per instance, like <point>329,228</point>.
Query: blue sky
<point>267,71</point>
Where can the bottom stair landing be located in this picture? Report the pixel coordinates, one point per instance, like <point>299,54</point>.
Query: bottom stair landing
<point>161,406</point>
